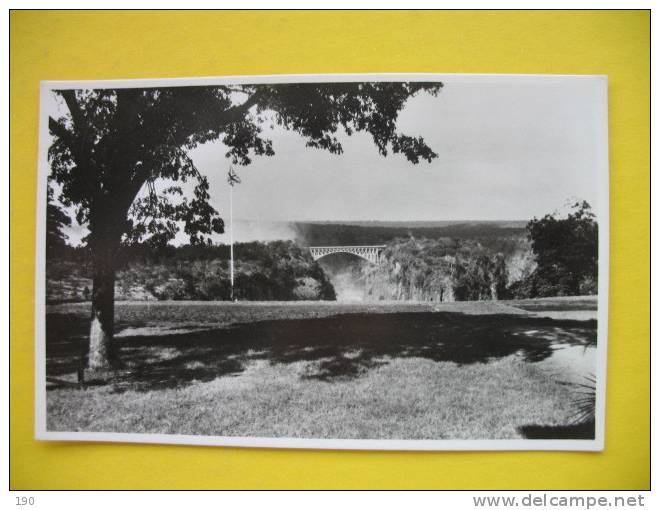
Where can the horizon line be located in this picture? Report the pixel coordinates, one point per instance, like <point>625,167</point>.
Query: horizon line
<point>462,220</point>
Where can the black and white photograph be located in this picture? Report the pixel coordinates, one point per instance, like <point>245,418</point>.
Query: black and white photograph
<point>378,261</point>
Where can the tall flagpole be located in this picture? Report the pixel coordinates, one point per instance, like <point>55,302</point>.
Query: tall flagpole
<point>231,239</point>
<point>232,179</point>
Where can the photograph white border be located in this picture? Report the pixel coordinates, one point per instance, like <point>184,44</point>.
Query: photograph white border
<point>41,432</point>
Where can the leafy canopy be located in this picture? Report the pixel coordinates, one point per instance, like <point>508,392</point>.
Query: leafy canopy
<point>566,250</point>
<point>56,221</point>
<point>113,142</point>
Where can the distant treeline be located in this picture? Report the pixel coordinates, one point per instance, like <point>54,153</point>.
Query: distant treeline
<point>332,234</point>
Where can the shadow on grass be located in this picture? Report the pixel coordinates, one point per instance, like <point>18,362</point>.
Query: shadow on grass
<point>342,346</point>
<point>586,430</point>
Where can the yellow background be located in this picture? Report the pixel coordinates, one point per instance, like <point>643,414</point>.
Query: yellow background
<point>93,45</point>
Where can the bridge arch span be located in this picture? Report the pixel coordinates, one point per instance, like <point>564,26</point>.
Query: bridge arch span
<point>370,253</point>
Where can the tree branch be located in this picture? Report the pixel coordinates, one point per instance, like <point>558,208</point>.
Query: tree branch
<point>76,112</point>
<point>61,132</point>
<point>236,113</point>
<point>233,89</point>
<point>69,138</point>
<point>70,141</point>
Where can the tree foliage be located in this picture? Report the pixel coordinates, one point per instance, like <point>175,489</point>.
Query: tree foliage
<point>113,142</point>
<point>278,270</point>
<point>566,251</point>
<point>56,221</point>
<point>440,269</point>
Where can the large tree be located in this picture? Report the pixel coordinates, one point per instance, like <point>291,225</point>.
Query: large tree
<point>566,250</point>
<point>112,146</point>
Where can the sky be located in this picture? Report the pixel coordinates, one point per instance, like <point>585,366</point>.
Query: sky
<point>509,148</point>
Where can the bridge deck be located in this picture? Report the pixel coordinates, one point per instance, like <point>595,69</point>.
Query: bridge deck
<point>349,247</point>
<point>367,252</point>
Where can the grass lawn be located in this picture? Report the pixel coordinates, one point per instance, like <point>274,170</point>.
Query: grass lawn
<point>404,371</point>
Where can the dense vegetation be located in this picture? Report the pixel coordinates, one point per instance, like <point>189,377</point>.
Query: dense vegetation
<point>445,270</point>
<point>279,270</point>
<point>553,256</point>
<point>566,252</point>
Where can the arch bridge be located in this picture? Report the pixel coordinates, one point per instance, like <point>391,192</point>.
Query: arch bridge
<point>370,253</point>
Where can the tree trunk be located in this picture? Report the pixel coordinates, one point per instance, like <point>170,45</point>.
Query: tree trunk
<point>107,225</point>
<point>101,349</point>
